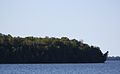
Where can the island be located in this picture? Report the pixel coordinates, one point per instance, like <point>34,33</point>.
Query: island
<point>47,50</point>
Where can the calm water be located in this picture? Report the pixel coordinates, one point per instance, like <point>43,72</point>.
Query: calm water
<point>110,67</point>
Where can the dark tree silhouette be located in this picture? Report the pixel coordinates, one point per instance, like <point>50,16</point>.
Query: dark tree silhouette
<point>47,50</point>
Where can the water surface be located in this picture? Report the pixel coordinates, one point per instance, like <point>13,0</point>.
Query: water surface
<point>110,67</point>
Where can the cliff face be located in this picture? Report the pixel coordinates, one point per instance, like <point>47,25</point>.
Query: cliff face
<point>47,50</point>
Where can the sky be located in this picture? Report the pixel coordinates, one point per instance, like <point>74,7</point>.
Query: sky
<point>96,22</point>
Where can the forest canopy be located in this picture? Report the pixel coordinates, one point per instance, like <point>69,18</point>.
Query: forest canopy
<point>46,50</point>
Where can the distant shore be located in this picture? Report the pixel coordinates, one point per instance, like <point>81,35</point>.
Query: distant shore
<point>113,58</point>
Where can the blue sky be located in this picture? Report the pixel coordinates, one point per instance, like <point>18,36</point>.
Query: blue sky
<point>97,22</point>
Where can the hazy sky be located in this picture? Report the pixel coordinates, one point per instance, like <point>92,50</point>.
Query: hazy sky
<point>97,22</point>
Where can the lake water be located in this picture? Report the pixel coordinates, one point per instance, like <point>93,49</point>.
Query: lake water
<point>110,67</point>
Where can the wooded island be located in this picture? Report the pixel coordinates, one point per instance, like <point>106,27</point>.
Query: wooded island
<point>47,50</point>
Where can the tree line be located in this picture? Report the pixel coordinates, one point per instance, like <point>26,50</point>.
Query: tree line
<point>46,50</point>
